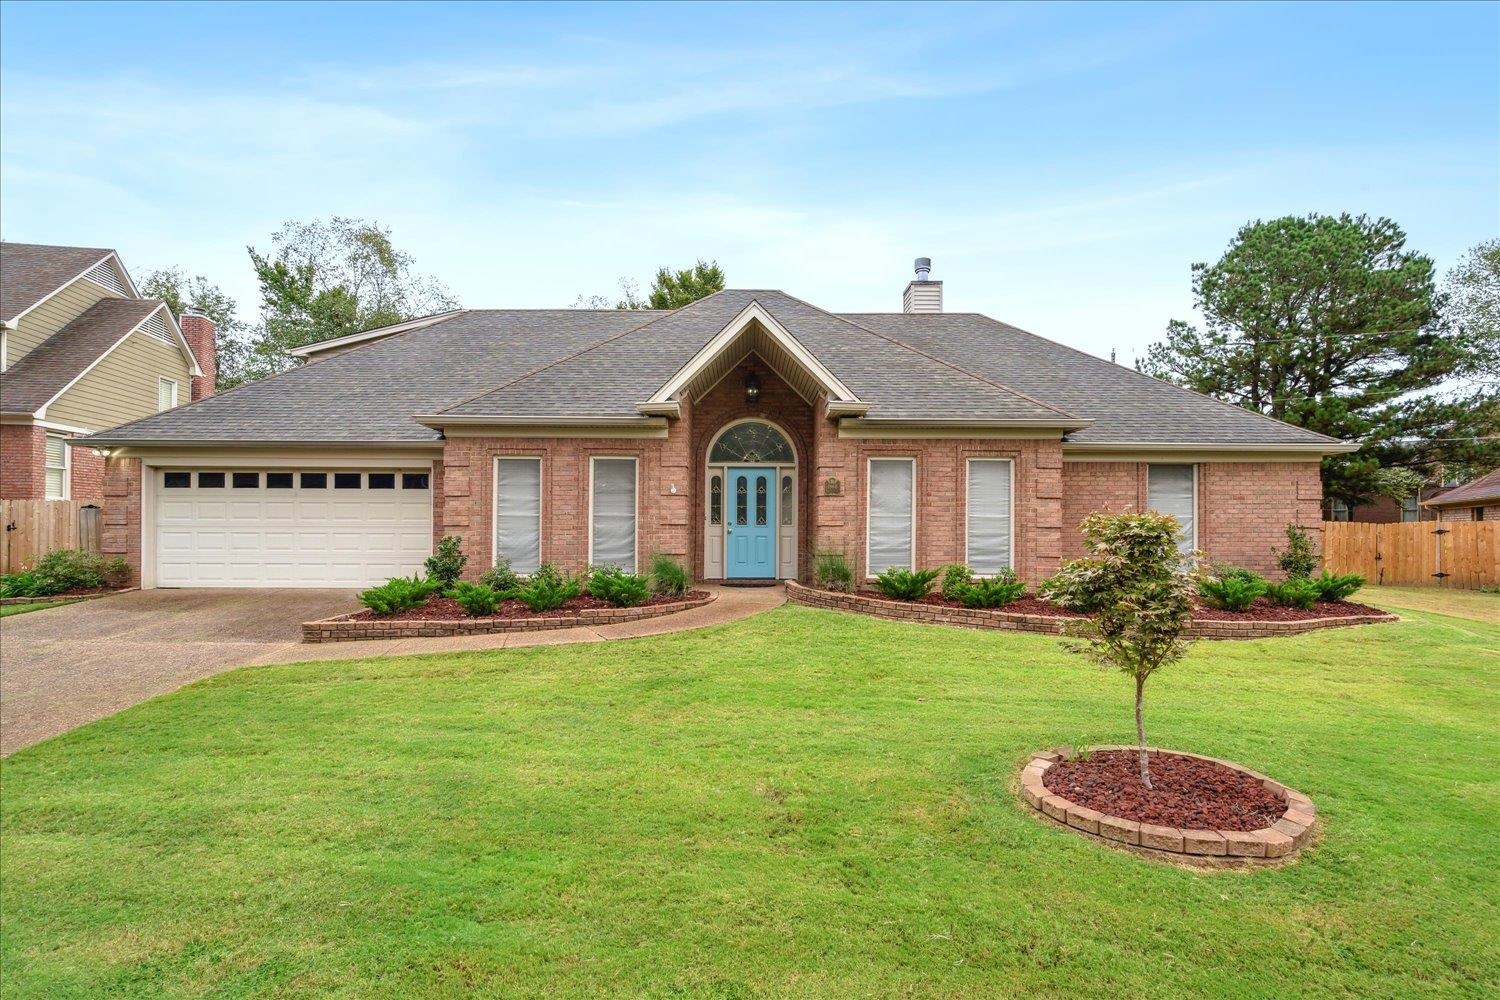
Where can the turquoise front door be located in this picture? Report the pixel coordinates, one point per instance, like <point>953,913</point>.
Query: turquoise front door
<point>750,528</point>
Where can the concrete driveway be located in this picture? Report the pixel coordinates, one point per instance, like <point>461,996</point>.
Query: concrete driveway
<point>64,667</point>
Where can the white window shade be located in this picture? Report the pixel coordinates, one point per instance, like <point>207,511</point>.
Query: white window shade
<point>166,394</point>
<point>1171,489</point>
<point>518,513</point>
<point>57,468</point>
<point>612,526</point>
<point>892,489</point>
<point>989,515</point>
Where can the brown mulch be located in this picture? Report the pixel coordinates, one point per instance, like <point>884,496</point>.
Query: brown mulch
<point>447,609</point>
<point>1263,610</point>
<point>1188,793</point>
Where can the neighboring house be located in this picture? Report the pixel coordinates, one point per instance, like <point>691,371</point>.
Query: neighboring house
<point>741,434</point>
<point>1476,501</point>
<point>1386,510</point>
<point>81,351</point>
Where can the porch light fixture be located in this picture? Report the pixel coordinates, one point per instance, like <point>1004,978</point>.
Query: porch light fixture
<point>752,388</point>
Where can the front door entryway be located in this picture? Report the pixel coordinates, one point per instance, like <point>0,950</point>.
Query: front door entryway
<point>750,534</point>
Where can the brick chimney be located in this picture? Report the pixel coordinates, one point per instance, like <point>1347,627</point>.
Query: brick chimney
<point>198,330</point>
<point>923,295</point>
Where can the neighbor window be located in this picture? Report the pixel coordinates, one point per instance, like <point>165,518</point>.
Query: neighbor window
<point>988,531</point>
<point>890,528</point>
<point>1409,510</point>
<point>57,467</point>
<point>166,394</point>
<point>612,521</point>
<point>1172,489</point>
<point>1339,510</point>
<point>518,513</point>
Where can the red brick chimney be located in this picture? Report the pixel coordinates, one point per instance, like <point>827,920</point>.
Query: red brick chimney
<point>198,330</point>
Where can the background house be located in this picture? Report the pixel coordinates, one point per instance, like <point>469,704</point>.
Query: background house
<point>80,351</point>
<point>1476,501</point>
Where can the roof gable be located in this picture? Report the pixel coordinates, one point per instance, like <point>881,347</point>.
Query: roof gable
<point>31,273</point>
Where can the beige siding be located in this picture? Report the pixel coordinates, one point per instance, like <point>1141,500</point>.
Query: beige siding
<point>51,316</point>
<point>123,386</point>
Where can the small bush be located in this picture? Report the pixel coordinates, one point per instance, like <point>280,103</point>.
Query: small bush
<point>446,564</point>
<point>501,578</point>
<point>906,584</point>
<point>669,578</point>
<point>398,594</point>
<point>27,583</point>
<point>1232,593</point>
<point>70,569</point>
<point>831,571</point>
<point>1298,592</point>
<point>1299,558</point>
<point>116,572</point>
<point>955,579</point>
<point>994,592</point>
<point>547,589</point>
<point>623,590</point>
<point>1223,571</point>
<point>1337,586</point>
<point>475,598</point>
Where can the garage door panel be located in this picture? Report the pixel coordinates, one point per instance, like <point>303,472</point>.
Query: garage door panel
<point>258,537</point>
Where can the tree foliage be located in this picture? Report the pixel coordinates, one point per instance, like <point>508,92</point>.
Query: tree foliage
<point>181,293</point>
<point>669,289</point>
<point>1139,600</point>
<point>1332,324</point>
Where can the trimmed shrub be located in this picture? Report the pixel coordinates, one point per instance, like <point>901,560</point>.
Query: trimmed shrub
<point>906,584</point>
<point>831,571</point>
<point>1337,586</point>
<point>27,583</point>
<point>669,578</point>
<point>401,593</point>
<point>622,589</point>
<point>116,572</point>
<point>475,598</point>
<point>547,589</point>
<point>446,564</point>
<point>70,569</point>
<point>500,578</point>
<point>1298,592</point>
<point>993,592</point>
<point>1232,593</point>
<point>955,579</point>
<point>1299,558</point>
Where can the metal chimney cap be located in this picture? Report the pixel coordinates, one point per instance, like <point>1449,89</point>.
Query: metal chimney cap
<point>924,268</point>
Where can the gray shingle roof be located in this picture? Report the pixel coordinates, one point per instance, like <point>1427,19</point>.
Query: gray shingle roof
<point>602,364</point>
<point>29,272</point>
<point>1484,490</point>
<point>42,373</point>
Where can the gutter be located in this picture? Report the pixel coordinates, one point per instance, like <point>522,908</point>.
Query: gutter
<point>104,441</point>
<point>1331,448</point>
<point>1048,423</point>
<point>440,420</point>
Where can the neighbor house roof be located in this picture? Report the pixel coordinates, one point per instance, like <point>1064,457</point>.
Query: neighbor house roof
<point>33,382</point>
<point>576,365</point>
<point>1484,490</point>
<point>30,273</point>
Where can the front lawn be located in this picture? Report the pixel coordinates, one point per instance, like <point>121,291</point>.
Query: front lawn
<point>6,610</point>
<point>801,804</point>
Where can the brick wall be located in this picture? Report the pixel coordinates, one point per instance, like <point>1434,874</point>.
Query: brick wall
<point>1243,507</point>
<point>23,460</point>
<point>87,477</point>
<point>1491,513</point>
<point>122,513</point>
<point>200,332</point>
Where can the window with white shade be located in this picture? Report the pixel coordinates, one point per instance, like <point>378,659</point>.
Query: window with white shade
<point>890,525</point>
<point>1173,489</point>
<point>612,513</point>
<point>166,394</point>
<point>989,518</point>
<point>518,513</point>
<point>57,468</point>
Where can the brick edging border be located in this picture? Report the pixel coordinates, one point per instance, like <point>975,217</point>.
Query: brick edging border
<point>342,629</point>
<point>1281,841</point>
<point>64,598</point>
<point>998,618</point>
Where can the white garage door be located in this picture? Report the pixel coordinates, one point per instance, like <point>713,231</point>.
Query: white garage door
<point>301,528</point>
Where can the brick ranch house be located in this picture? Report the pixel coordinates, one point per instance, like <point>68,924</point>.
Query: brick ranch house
<point>740,434</point>
<point>1476,501</point>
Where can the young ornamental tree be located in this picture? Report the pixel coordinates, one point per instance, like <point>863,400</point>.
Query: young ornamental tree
<point>1138,597</point>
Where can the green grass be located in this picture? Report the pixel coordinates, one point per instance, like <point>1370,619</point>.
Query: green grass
<point>1472,604</point>
<point>6,610</point>
<point>802,804</point>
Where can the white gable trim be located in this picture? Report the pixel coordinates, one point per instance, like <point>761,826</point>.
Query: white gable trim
<point>111,256</point>
<point>309,350</point>
<point>754,312</point>
<point>171,324</point>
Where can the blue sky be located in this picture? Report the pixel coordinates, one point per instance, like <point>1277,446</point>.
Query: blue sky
<point>1062,165</point>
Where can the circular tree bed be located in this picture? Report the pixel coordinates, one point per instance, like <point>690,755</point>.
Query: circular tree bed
<point>1200,809</point>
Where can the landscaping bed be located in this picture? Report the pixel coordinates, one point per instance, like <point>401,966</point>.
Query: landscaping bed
<point>442,616</point>
<point>1200,809</point>
<point>66,596</point>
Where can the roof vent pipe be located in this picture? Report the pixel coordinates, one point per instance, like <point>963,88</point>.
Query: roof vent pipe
<point>923,295</point>
<point>924,268</point>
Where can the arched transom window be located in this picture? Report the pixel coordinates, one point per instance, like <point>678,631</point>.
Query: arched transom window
<point>752,442</point>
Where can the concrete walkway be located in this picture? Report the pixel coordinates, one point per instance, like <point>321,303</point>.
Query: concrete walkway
<point>65,667</point>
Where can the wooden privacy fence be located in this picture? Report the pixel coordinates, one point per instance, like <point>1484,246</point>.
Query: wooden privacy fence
<point>1419,553</point>
<point>32,528</point>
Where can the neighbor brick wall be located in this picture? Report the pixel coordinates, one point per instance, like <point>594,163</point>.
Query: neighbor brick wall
<point>1491,513</point>
<point>23,462</point>
<point>122,513</point>
<point>1243,507</point>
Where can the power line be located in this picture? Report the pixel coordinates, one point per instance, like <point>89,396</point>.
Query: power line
<point>1302,338</point>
